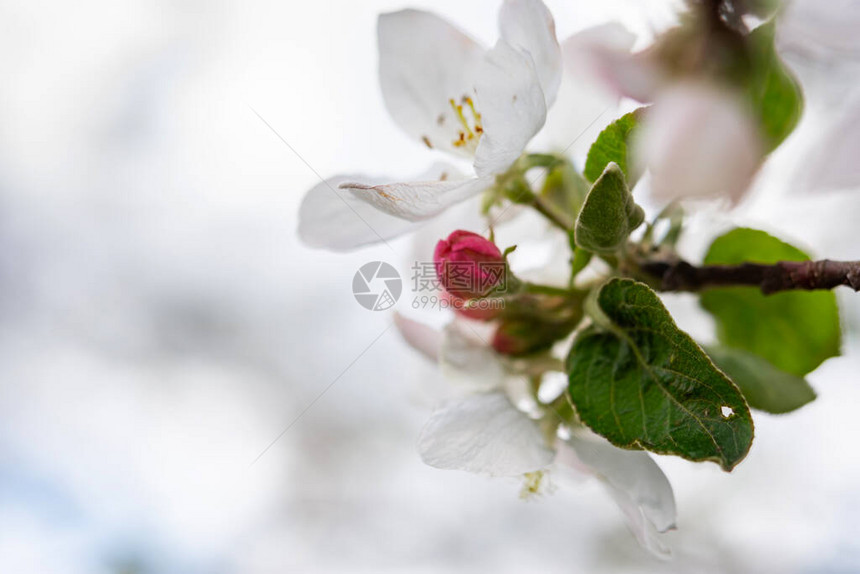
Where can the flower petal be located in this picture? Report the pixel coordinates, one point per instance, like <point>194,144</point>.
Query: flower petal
<point>483,434</point>
<point>467,360</point>
<point>421,337</point>
<point>512,107</point>
<point>832,164</point>
<point>821,31</point>
<point>633,480</point>
<point>335,219</point>
<point>631,471</point>
<point>419,200</point>
<point>603,52</point>
<point>424,62</point>
<point>528,25</point>
<point>699,141</point>
<point>642,528</point>
<point>588,101</point>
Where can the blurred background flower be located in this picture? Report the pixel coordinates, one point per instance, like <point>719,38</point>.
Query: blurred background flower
<point>185,388</point>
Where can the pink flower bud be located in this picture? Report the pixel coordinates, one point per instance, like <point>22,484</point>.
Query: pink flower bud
<point>468,265</point>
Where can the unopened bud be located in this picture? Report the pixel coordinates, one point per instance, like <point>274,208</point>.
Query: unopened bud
<point>468,265</point>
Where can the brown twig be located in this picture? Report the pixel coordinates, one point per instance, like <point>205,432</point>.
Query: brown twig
<point>781,276</point>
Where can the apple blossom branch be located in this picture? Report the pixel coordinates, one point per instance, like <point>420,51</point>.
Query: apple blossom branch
<point>773,278</point>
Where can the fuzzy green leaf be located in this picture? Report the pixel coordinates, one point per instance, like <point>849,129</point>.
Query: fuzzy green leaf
<point>641,382</point>
<point>765,387</point>
<point>794,330</point>
<point>608,215</point>
<point>611,146</point>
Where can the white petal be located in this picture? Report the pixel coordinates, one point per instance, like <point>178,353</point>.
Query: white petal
<point>603,52</point>
<point>832,163</point>
<point>423,338</point>
<point>642,528</point>
<point>824,31</point>
<point>423,63</point>
<point>699,141</point>
<point>587,53</point>
<point>512,107</point>
<point>467,360</point>
<point>608,37</point>
<point>341,220</point>
<point>638,76</point>
<point>633,479</point>
<point>587,102</point>
<point>593,57</point>
<point>416,201</point>
<point>484,434</point>
<point>528,25</point>
<point>333,218</point>
<point>631,471</point>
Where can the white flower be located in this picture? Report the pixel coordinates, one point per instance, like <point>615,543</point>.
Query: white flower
<point>446,90</point>
<point>483,432</point>
<point>699,141</point>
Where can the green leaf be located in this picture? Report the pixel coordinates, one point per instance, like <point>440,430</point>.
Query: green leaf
<point>794,330</point>
<point>765,387</point>
<point>775,92</point>
<point>644,383</point>
<point>608,215</point>
<point>564,191</point>
<point>580,260</point>
<point>611,146</point>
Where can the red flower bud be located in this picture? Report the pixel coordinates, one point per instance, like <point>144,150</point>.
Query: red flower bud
<point>468,266</point>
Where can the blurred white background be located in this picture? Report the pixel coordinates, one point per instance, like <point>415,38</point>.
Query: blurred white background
<point>160,324</point>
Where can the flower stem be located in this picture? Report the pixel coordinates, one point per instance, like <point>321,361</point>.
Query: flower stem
<point>545,289</point>
<point>553,218</point>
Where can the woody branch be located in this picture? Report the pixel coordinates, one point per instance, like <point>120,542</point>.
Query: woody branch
<point>772,278</point>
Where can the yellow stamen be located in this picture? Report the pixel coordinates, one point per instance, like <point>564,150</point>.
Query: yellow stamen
<point>472,130</point>
<point>458,110</point>
<point>532,484</point>
<point>475,114</point>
